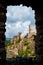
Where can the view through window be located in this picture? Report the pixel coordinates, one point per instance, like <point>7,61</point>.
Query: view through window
<point>20,32</point>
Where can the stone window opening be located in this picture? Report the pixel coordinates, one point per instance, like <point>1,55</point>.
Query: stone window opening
<point>31,26</point>
<point>39,18</point>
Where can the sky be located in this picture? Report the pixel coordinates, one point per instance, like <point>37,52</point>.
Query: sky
<point>18,20</point>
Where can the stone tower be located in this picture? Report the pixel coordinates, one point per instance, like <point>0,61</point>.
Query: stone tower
<point>31,29</point>
<point>19,35</point>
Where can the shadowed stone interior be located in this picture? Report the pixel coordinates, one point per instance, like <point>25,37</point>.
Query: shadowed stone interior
<point>39,26</point>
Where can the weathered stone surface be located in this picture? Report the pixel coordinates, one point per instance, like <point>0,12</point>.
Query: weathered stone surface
<point>39,22</point>
<point>2,31</point>
<point>39,38</point>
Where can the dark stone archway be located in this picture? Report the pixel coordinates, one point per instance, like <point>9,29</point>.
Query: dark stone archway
<point>38,7</point>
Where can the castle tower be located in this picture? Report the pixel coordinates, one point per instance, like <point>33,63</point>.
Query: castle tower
<point>31,29</point>
<point>19,34</point>
<point>15,39</point>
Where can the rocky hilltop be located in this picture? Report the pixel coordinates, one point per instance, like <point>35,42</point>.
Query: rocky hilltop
<point>20,46</point>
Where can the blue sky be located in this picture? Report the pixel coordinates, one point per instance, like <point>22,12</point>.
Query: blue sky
<point>18,20</point>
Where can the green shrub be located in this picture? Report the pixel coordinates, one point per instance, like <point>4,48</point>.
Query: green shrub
<point>26,43</point>
<point>18,41</point>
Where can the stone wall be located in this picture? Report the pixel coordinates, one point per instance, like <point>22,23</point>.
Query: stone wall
<point>39,26</point>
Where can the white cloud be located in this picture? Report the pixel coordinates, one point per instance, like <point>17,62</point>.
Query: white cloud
<point>26,24</point>
<point>18,19</point>
<point>14,28</point>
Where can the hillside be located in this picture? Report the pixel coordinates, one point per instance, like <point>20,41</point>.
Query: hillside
<point>7,40</point>
<point>21,47</point>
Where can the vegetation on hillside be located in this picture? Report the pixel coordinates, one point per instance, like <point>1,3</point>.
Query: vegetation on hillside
<point>22,48</point>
